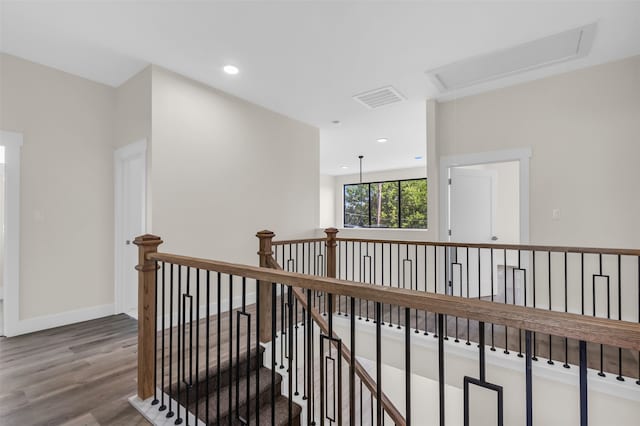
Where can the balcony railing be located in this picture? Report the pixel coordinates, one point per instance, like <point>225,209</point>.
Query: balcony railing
<point>223,343</point>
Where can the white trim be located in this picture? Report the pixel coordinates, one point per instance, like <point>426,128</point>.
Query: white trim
<point>63,318</point>
<point>119,156</point>
<point>12,143</point>
<point>523,155</point>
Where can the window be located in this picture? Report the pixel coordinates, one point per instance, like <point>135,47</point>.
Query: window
<point>390,204</point>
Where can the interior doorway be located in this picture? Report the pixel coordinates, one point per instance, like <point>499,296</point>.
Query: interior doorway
<point>10,145</point>
<point>484,203</point>
<point>130,221</point>
<point>484,199</point>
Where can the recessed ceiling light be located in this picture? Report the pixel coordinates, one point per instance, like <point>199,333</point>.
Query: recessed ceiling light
<point>418,157</point>
<point>344,167</point>
<point>231,69</point>
<point>382,140</point>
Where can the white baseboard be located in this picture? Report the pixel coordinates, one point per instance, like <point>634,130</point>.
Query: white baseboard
<point>57,320</point>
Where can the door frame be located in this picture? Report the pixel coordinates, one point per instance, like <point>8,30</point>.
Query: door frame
<point>522,155</point>
<point>12,143</point>
<point>120,155</point>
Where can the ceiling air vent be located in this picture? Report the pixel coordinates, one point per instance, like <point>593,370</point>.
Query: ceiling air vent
<point>379,97</point>
<point>539,53</point>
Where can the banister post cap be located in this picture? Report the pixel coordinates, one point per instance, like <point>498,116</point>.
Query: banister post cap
<point>147,240</point>
<point>265,234</point>
<point>331,232</point>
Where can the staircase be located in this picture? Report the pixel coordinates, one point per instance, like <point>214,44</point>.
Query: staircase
<point>238,397</point>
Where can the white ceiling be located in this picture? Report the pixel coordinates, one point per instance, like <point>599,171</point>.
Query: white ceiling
<point>306,59</point>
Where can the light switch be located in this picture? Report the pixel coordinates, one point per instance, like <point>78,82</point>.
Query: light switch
<point>555,214</point>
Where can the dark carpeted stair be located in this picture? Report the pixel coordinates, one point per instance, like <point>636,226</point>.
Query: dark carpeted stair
<point>232,380</point>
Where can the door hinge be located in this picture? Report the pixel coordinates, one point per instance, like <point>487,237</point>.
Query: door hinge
<point>449,232</point>
<point>449,181</point>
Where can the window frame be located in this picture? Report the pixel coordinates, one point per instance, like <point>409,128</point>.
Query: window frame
<point>396,181</point>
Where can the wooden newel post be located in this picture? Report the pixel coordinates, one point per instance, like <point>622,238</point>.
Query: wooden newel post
<point>331,254</point>
<point>146,312</point>
<point>265,252</point>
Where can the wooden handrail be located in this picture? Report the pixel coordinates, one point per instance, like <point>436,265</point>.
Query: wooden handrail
<point>616,333</point>
<point>299,241</point>
<point>389,408</point>
<point>523,247</point>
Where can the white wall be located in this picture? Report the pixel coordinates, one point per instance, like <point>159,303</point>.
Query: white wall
<point>223,169</point>
<point>133,109</point>
<point>327,201</point>
<point>583,129</point>
<point>66,244</point>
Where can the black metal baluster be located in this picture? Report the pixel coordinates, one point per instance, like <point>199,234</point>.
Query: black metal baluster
<point>259,360</point>
<point>468,343</point>
<point>365,272</point>
<point>524,289</point>
<point>309,362</point>
<point>283,333</point>
<point>620,378</point>
<point>407,366</point>
<point>452,278</point>
<point>550,360</point>
<point>360,277</point>
<point>441,383</point>
<point>493,346</point>
<point>584,411</point>
<point>417,330</point>
<point>155,339</point>
<point>219,344</point>
<point>426,289</point>
<point>390,283</point>
<point>529,377</point>
<point>178,419</point>
<point>273,353</point>
<point>435,288</point>
<point>290,352</point>
<point>378,366</point>
<point>186,382</point>
<point>352,361</point>
<point>533,284</point>
<point>170,413</point>
<point>446,289</point>
<point>399,265</point>
<point>566,309</point>
<point>162,388</point>
<point>506,299</point>
<point>230,396</point>
<point>207,342</point>
<point>601,372</point>
<point>197,399</point>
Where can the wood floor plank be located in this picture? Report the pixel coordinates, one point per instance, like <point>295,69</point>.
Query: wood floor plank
<point>80,374</point>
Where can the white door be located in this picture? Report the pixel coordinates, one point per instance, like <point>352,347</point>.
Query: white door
<point>472,205</point>
<point>130,222</point>
<point>472,209</point>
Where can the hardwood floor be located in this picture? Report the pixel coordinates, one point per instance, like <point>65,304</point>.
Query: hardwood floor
<point>80,374</point>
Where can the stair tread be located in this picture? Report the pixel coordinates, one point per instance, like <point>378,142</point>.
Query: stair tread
<point>264,394</point>
<point>281,414</point>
